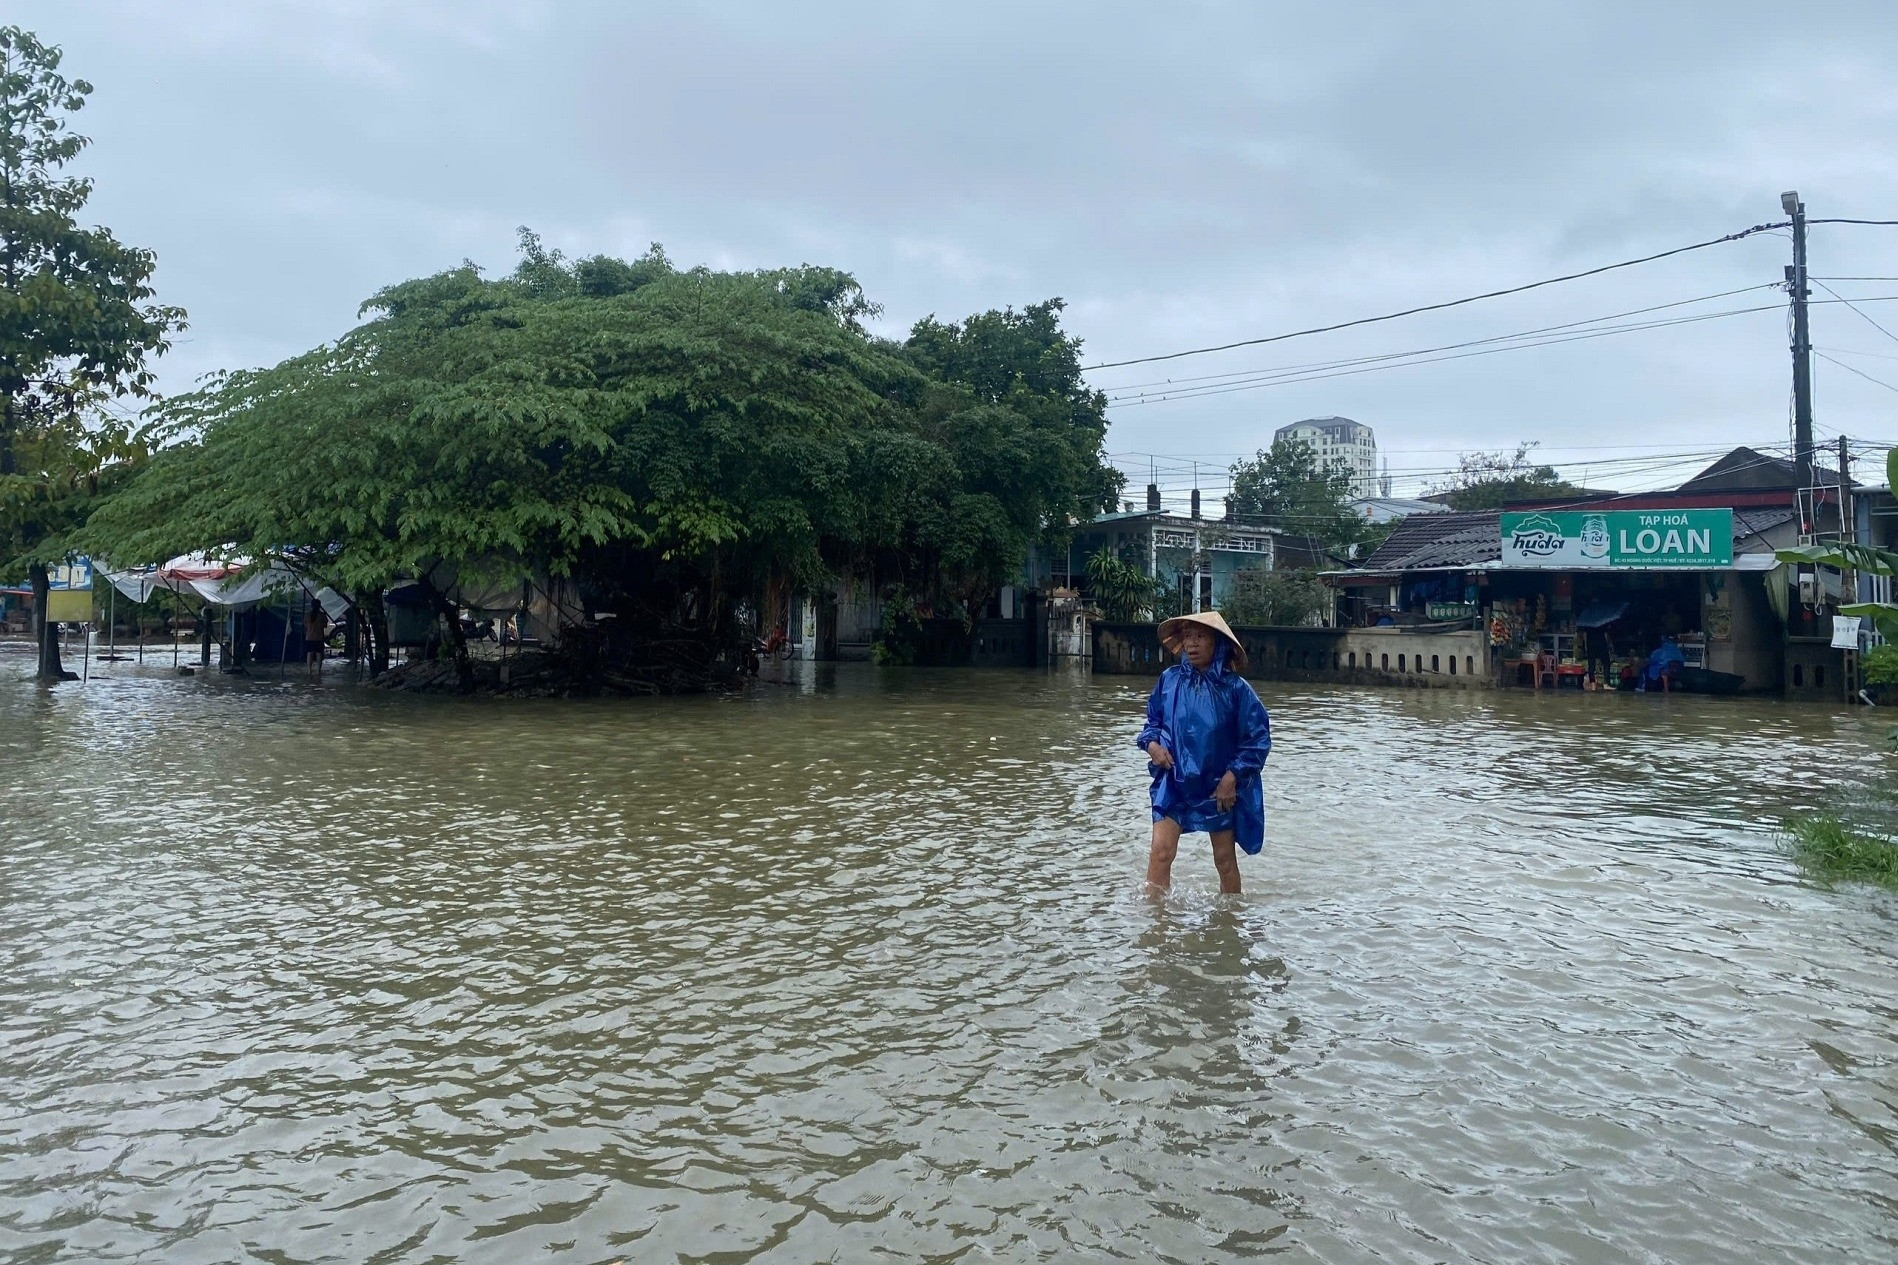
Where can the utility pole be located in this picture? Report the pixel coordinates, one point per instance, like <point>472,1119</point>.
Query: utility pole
<point>1848,521</point>
<point>1848,579</point>
<point>1802,364</point>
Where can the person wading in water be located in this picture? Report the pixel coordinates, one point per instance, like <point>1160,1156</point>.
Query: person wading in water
<point>1207,736</point>
<point>316,631</point>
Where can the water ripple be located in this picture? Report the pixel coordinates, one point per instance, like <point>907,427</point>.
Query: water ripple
<point>856,967</point>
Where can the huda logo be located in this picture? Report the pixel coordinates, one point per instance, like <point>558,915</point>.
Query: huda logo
<point>1537,537</point>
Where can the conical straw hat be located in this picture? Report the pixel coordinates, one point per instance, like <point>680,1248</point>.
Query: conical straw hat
<point>1170,634</point>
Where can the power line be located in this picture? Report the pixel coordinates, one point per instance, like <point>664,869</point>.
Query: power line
<point>1474,298</point>
<point>1475,342</point>
<point>1411,358</point>
<point>1349,368</point>
<point>1846,351</point>
<point>1867,319</point>
<point>1173,475</point>
<point>1884,223</point>
<point>1860,372</point>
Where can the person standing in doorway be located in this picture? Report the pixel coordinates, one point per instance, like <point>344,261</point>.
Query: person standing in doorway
<point>316,631</point>
<point>1206,738</point>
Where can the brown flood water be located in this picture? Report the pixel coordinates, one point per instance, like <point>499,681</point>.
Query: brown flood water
<point>856,967</point>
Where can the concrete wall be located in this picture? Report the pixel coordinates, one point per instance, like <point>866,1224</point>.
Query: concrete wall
<point>1815,672</point>
<point>1359,656</point>
<point>1067,629</point>
<point>1458,659</point>
<point>1754,645</point>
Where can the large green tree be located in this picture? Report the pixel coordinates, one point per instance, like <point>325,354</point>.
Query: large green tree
<point>76,326</point>
<point>679,445</point>
<point>1023,438</point>
<point>1286,486</point>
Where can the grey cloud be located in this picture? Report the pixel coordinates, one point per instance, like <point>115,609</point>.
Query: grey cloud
<point>1182,174</point>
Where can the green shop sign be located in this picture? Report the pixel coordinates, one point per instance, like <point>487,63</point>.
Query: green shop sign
<point>1625,539</point>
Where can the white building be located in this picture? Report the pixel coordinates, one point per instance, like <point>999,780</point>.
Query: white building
<point>1342,444</point>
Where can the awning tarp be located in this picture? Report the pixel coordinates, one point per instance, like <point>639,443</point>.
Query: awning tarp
<point>1600,614</point>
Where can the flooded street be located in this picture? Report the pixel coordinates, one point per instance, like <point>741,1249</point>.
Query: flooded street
<point>857,967</point>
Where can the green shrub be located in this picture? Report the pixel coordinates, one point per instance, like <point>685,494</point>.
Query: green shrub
<point>1122,591</point>
<point>1879,665</point>
<point>1287,599</point>
<point>897,631</point>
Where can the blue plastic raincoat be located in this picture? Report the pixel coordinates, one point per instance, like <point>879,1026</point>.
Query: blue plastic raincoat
<point>1665,662</point>
<point>1210,722</point>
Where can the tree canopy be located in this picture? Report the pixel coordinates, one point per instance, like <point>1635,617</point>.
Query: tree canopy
<point>1287,487</point>
<point>77,325</point>
<point>1491,480</point>
<point>649,432</point>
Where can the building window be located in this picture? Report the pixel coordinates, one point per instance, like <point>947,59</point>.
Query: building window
<point>1387,662</point>
<point>1434,661</point>
<point>1354,658</point>
<point>1452,665</point>
<point>1337,660</point>
<point>1469,665</point>
<point>1400,663</point>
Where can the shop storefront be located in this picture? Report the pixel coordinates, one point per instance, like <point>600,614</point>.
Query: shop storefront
<point>1590,599</point>
<point>1634,599</point>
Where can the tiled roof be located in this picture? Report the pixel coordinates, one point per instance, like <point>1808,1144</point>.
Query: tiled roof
<point>1464,539</point>
<point>1748,523</point>
<point>1747,470</point>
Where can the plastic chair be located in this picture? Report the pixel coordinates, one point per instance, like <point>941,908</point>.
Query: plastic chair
<point>1545,668</point>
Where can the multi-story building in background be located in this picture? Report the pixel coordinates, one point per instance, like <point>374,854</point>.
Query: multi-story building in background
<point>1343,445</point>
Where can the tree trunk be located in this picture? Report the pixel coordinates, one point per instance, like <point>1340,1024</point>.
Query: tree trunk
<point>376,617</point>
<point>6,432</point>
<point>45,630</point>
<point>451,629</point>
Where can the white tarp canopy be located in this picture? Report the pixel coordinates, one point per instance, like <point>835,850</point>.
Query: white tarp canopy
<point>221,583</point>
<point>140,583</point>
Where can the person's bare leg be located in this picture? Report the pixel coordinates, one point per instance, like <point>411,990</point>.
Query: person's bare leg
<point>1166,846</point>
<point>1226,861</point>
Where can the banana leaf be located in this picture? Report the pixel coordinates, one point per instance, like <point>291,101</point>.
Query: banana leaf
<point>1846,556</point>
<point>1884,617</point>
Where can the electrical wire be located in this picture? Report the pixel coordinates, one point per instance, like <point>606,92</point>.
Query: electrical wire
<point>1175,480</point>
<point>1847,351</point>
<point>1352,369</point>
<point>1768,455</point>
<point>1474,298</point>
<point>1475,342</point>
<point>1849,369</point>
<point>1293,375</point>
<point>1866,318</point>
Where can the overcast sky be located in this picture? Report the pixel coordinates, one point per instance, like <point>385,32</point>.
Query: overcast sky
<point>1181,174</point>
